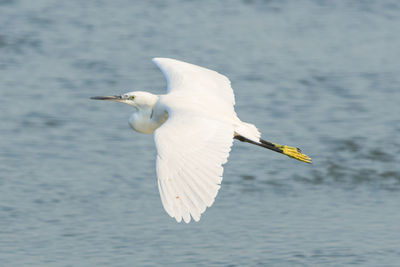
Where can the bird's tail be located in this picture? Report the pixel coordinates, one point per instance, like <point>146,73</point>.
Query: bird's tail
<point>248,131</point>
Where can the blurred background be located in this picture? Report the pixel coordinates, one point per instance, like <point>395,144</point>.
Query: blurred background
<point>78,186</point>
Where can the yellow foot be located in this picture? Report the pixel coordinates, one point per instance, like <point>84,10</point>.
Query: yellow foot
<point>295,153</point>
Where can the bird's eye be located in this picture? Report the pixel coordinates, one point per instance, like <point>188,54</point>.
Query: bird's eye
<point>132,97</point>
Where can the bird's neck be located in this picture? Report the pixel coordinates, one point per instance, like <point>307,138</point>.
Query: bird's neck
<point>147,119</point>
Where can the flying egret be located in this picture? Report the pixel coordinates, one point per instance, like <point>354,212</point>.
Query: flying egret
<point>194,125</point>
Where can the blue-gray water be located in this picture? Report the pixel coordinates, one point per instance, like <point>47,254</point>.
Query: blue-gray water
<point>78,186</point>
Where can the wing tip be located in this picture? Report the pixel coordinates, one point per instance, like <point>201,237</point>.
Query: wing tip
<point>187,220</point>
<point>157,60</point>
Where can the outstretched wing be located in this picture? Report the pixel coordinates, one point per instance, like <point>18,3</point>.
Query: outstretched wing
<point>195,140</point>
<point>191,150</point>
<point>186,79</point>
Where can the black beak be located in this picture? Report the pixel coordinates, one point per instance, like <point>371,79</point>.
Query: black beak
<point>112,97</point>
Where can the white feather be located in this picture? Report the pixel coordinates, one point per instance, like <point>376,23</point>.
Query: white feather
<point>189,158</point>
<point>195,140</point>
<point>194,125</point>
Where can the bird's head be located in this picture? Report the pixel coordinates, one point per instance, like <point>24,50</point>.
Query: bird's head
<point>137,99</point>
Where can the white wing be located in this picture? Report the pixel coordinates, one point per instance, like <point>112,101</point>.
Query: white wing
<point>198,85</point>
<point>192,144</point>
<point>192,79</point>
<point>191,150</point>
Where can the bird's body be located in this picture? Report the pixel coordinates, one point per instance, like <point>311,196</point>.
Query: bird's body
<point>194,125</point>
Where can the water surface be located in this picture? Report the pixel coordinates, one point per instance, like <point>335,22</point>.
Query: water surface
<point>78,186</point>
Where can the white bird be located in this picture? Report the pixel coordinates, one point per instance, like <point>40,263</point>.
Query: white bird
<point>194,125</point>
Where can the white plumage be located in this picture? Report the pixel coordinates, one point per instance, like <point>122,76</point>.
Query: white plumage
<point>196,139</point>
<point>194,125</point>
